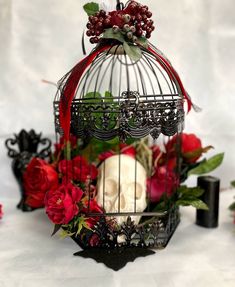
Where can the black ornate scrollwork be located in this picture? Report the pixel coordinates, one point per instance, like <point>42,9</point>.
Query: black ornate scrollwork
<point>132,116</point>
<point>155,233</point>
<point>22,148</point>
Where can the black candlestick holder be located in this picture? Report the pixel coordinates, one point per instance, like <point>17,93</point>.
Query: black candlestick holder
<point>22,148</point>
<point>209,218</point>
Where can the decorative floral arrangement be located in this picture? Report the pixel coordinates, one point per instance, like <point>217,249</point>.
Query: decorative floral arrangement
<point>232,206</point>
<point>131,26</point>
<point>66,183</point>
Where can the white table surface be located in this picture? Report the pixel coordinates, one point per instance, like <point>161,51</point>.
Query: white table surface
<point>195,256</point>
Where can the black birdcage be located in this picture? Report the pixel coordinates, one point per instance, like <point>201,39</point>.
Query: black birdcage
<point>112,100</point>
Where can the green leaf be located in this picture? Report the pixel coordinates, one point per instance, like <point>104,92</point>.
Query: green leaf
<point>93,97</point>
<point>64,234</point>
<point>91,8</point>
<point>108,97</point>
<point>132,51</point>
<point>109,34</point>
<point>197,203</point>
<point>232,206</point>
<point>233,183</point>
<point>143,42</point>
<point>56,229</point>
<point>191,191</point>
<point>208,165</point>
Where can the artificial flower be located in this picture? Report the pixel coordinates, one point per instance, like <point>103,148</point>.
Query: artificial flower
<point>92,207</point>
<point>62,204</point>
<point>191,147</point>
<point>163,181</point>
<point>78,169</point>
<point>38,178</point>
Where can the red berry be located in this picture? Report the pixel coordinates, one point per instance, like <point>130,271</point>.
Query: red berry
<point>148,36</point>
<point>144,27</point>
<point>88,33</point>
<point>92,32</point>
<point>101,19</point>
<point>153,28</point>
<point>99,25</point>
<point>139,32</point>
<point>149,14</point>
<point>90,18</point>
<point>138,25</point>
<point>88,25</point>
<point>95,20</point>
<point>149,30</point>
<point>107,22</point>
<point>96,39</point>
<point>98,32</point>
<point>138,17</point>
<point>146,7</point>
<point>92,40</point>
<point>102,13</point>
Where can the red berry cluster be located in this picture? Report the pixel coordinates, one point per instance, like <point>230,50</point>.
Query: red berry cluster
<point>134,21</point>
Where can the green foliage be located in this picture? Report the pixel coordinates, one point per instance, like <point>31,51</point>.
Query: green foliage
<point>190,196</point>
<point>109,34</point>
<point>207,166</point>
<point>232,206</point>
<point>132,51</point>
<point>91,8</point>
<point>233,183</point>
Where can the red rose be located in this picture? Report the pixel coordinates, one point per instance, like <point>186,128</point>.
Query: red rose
<point>92,207</point>
<point>128,150</point>
<point>191,147</point>
<point>1,212</point>
<point>61,204</point>
<point>38,178</point>
<point>78,169</point>
<point>163,181</point>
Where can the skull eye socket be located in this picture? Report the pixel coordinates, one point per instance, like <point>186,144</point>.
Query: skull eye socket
<point>135,189</point>
<point>110,187</point>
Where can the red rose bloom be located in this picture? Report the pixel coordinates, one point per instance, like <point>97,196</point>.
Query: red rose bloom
<point>1,212</point>
<point>38,178</point>
<point>92,207</point>
<point>61,204</point>
<point>189,144</point>
<point>163,181</point>
<point>78,169</point>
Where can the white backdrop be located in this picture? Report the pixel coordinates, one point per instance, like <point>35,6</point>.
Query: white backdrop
<point>41,39</point>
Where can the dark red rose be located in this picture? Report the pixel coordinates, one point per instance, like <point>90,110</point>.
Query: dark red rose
<point>104,155</point>
<point>92,207</point>
<point>61,204</point>
<point>191,147</point>
<point>78,169</point>
<point>39,177</point>
<point>163,181</point>
<point>1,212</point>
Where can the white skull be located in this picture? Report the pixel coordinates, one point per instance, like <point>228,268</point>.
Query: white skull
<point>121,186</point>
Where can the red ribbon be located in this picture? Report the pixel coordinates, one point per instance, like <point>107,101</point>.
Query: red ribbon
<point>70,88</point>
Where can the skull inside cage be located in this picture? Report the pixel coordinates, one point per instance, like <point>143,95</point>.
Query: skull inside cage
<point>115,112</point>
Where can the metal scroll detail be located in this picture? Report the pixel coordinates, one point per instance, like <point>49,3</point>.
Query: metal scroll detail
<point>155,234</point>
<point>131,115</point>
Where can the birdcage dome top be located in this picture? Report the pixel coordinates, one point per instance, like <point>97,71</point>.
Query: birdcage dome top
<point>117,96</point>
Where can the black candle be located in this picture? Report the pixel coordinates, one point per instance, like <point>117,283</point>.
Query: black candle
<point>211,185</point>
